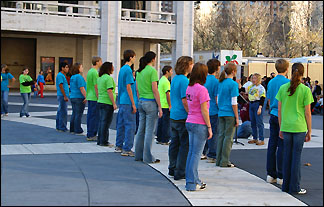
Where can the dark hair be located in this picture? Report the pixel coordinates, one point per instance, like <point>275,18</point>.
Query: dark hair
<point>147,58</point>
<point>62,65</point>
<point>166,69</point>
<point>95,59</point>
<point>281,65</point>
<point>249,79</point>
<point>243,80</point>
<point>316,81</point>
<point>183,64</point>
<point>228,69</point>
<point>76,68</point>
<point>106,68</point>
<point>3,66</point>
<point>297,72</point>
<point>213,65</point>
<point>198,74</point>
<point>128,54</point>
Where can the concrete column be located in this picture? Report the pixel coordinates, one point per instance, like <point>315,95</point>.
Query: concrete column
<point>184,30</point>
<point>110,37</point>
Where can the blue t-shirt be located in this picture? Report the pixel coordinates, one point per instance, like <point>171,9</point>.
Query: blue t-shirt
<point>5,81</point>
<point>125,77</point>
<point>135,94</point>
<point>226,90</point>
<point>212,87</point>
<point>273,88</point>
<point>40,78</point>
<point>76,82</point>
<point>179,86</point>
<point>60,78</point>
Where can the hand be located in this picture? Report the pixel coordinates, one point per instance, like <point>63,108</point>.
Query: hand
<point>160,112</point>
<point>84,101</point>
<point>134,109</point>
<point>169,108</point>
<point>308,136</point>
<point>115,106</point>
<point>259,110</point>
<point>237,122</point>
<point>210,133</point>
<point>66,99</point>
<point>281,135</point>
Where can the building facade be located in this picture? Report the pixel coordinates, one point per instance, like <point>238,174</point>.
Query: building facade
<point>42,34</point>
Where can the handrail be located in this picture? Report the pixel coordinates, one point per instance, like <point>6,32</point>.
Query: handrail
<point>150,16</point>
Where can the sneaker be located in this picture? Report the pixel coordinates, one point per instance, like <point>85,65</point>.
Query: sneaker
<point>260,143</point>
<point>107,145</point>
<point>302,191</point>
<point>156,161</point>
<point>179,178</point>
<point>253,141</point>
<point>279,181</point>
<point>199,187</point>
<point>271,179</point>
<point>203,157</point>
<point>94,138</point>
<point>80,134</point>
<point>128,153</point>
<point>28,115</point>
<point>7,114</point>
<point>2,115</point>
<point>118,149</point>
<point>231,165</point>
<point>211,160</point>
<point>165,143</point>
<point>59,130</point>
<point>157,142</point>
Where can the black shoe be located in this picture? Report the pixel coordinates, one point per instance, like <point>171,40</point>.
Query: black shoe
<point>179,178</point>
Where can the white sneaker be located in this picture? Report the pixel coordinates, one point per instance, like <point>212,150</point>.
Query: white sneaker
<point>279,181</point>
<point>302,191</point>
<point>271,179</point>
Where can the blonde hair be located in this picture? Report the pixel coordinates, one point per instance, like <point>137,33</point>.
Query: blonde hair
<point>258,76</point>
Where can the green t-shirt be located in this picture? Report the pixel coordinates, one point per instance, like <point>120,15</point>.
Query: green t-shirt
<point>105,82</point>
<point>164,86</point>
<point>92,77</point>
<point>24,78</point>
<point>144,80</point>
<point>293,108</point>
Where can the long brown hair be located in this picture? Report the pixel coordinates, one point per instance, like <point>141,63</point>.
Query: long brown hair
<point>297,73</point>
<point>198,74</point>
<point>228,69</point>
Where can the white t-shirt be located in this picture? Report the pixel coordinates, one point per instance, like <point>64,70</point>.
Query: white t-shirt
<point>321,102</point>
<point>246,85</point>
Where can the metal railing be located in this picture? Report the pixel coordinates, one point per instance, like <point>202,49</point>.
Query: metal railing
<point>48,8</point>
<point>148,16</point>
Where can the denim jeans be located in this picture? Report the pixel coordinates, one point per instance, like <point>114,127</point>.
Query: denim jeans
<point>137,121</point>
<point>4,102</point>
<point>126,124</point>
<point>226,129</point>
<point>211,144</point>
<point>275,149</point>
<point>198,134</point>
<point>61,115</point>
<point>164,128</point>
<point>256,121</point>
<point>106,112</point>
<point>77,112</point>
<point>178,149</point>
<point>292,148</point>
<point>245,130</point>
<point>24,108</point>
<point>148,115</point>
<point>92,119</point>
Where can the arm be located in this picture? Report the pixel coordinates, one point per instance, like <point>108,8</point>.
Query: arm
<point>185,104</point>
<point>168,99</point>
<point>111,96</point>
<point>63,92</point>
<point>130,94</point>
<point>157,97</point>
<point>84,93</point>
<point>96,90</point>
<point>260,105</point>
<point>279,119</point>
<point>236,114</point>
<point>205,114</point>
<point>308,116</point>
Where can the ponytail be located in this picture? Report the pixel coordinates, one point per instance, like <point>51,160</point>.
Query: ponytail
<point>222,76</point>
<point>228,69</point>
<point>297,73</point>
<point>146,59</point>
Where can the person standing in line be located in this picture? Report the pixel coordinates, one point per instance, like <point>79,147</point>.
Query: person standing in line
<point>62,89</point>
<point>41,83</point>
<point>5,77</point>
<point>25,89</point>
<point>295,121</point>
<point>92,97</point>
<point>106,103</point>
<point>179,146</point>
<point>275,144</point>
<point>34,89</point>
<point>164,129</point>
<point>316,92</point>
<point>256,96</point>
<point>197,124</point>
<point>149,107</point>
<point>212,87</point>
<point>78,98</point>
<point>126,117</point>
<point>135,98</point>
<point>228,118</point>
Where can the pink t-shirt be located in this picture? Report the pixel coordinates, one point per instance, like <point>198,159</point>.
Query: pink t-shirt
<point>196,95</point>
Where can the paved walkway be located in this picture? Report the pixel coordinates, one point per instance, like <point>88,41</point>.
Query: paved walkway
<point>225,186</point>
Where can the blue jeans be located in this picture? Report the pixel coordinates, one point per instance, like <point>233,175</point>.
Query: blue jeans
<point>106,112</point>
<point>211,144</point>
<point>4,102</point>
<point>256,121</point>
<point>77,112</point>
<point>164,128</point>
<point>198,134</point>
<point>92,119</point>
<point>292,148</point>
<point>24,108</point>
<point>148,115</point>
<point>126,124</point>
<point>245,130</point>
<point>137,120</point>
<point>178,149</point>
<point>275,147</point>
<point>61,115</point>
